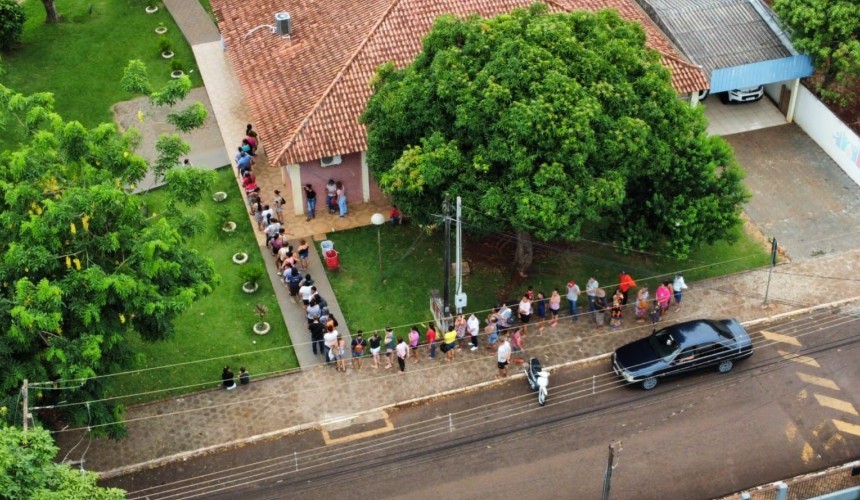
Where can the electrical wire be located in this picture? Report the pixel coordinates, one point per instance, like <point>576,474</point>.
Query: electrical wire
<point>293,370</point>
<point>264,398</point>
<point>234,355</point>
<point>350,451</point>
<point>113,398</point>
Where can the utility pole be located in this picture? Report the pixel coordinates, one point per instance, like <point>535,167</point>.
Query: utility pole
<point>607,477</point>
<point>446,294</point>
<point>459,296</point>
<point>25,395</point>
<point>773,249</point>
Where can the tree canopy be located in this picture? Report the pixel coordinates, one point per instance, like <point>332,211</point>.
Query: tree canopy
<point>27,470</point>
<point>829,32</point>
<point>548,124</point>
<point>83,265</point>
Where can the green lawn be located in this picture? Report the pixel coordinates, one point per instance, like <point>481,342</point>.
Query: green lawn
<point>413,265</point>
<point>217,325</point>
<point>81,59</point>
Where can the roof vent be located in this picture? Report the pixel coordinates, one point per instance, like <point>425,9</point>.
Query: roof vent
<point>284,24</point>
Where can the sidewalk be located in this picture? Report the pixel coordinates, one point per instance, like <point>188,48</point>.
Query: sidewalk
<point>168,430</point>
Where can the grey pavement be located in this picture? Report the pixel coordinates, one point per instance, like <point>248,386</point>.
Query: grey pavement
<point>172,429</point>
<point>800,195</point>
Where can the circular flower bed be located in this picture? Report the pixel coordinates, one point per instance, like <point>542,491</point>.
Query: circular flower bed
<point>229,227</point>
<point>219,196</point>
<point>240,257</point>
<point>262,328</point>
<point>250,287</point>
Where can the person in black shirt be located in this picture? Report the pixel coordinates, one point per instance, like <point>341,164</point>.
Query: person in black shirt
<point>244,376</point>
<point>311,196</point>
<point>317,330</point>
<point>227,379</point>
<point>359,345</point>
<point>375,343</point>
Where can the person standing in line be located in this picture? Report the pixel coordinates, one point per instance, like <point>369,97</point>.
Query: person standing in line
<point>525,312</point>
<point>305,291</point>
<point>341,354</point>
<point>517,345</point>
<point>591,291</point>
<point>449,343</point>
<point>600,307</point>
<point>664,296</point>
<point>625,283</point>
<point>655,313</point>
<point>641,307</point>
<point>678,287</point>
<point>330,341</point>
<point>431,340</point>
<point>330,194</point>
<point>390,344</point>
<point>227,378</point>
<point>503,357</point>
<point>375,343</point>
<point>268,215</point>
<point>554,307</point>
<point>278,201</point>
<point>402,353</point>
<point>461,327</point>
<point>617,309</point>
<point>573,292</point>
<point>294,279</point>
<point>244,376</point>
<point>414,337</point>
<point>317,330</point>
<point>311,197</point>
<point>341,198</point>
<point>359,345</point>
<point>473,324</point>
<point>304,251</point>
<point>540,306</point>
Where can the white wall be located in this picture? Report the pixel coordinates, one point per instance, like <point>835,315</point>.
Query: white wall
<point>829,132</point>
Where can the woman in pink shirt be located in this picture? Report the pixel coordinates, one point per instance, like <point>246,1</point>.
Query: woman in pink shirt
<point>413,343</point>
<point>664,295</point>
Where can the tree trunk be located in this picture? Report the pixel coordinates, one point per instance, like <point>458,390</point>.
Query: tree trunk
<point>524,253</point>
<point>51,16</point>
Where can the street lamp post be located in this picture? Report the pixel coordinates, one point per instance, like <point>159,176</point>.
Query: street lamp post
<point>378,220</point>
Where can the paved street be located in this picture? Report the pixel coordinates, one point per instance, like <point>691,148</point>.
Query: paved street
<point>790,409</point>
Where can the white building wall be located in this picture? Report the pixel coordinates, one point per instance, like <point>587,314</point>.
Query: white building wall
<point>826,129</point>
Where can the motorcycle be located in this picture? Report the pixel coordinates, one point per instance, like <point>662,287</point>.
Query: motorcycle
<point>538,379</point>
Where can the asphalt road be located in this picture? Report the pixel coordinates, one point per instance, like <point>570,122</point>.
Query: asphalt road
<point>789,409</point>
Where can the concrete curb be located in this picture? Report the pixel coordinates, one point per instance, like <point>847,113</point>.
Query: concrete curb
<point>158,462</point>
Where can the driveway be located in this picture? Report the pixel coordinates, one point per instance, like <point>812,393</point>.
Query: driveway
<point>800,195</point>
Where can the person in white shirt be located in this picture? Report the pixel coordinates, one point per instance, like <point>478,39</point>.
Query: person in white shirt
<point>525,313</point>
<point>473,326</point>
<point>678,287</point>
<point>305,291</point>
<point>330,341</point>
<point>591,290</point>
<point>503,356</point>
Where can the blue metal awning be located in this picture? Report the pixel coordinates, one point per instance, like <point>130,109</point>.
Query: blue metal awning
<point>761,73</point>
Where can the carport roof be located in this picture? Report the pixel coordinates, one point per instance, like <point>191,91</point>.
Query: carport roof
<point>720,33</point>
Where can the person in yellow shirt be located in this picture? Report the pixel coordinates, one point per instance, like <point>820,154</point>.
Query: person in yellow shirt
<point>449,343</point>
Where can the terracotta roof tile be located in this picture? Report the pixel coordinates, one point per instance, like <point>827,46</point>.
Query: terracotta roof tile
<point>307,94</point>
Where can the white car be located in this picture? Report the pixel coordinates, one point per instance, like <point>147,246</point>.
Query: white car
<point>750,94</point>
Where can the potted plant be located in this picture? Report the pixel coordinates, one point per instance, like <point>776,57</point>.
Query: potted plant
<point>151,8</point>
<point>176,68</point>
<point>240,257</point>
<point>251,276</point>
<point>161,29</point>
<point>261,327</point>
<point>225,223</point>
<point>165,46</point>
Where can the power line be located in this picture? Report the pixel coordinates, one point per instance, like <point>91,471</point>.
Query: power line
<point>265,398</point>
<point>355,449</point>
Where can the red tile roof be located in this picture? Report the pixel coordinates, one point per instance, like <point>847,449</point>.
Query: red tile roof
<point>306,93</point>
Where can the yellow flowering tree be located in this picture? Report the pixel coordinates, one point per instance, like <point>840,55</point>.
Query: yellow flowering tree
<point>82,266</point>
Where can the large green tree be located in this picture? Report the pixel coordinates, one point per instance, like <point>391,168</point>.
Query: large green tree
<point>83,264</point>
<point>27,470</point>
<point>546,124</point>
<point>829,31</point>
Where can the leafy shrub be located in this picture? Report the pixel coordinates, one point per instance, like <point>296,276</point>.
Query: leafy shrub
<point>12,18</point>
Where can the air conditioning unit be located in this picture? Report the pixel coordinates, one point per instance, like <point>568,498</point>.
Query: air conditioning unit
<point>284,24</point>
<point>327,161</point>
